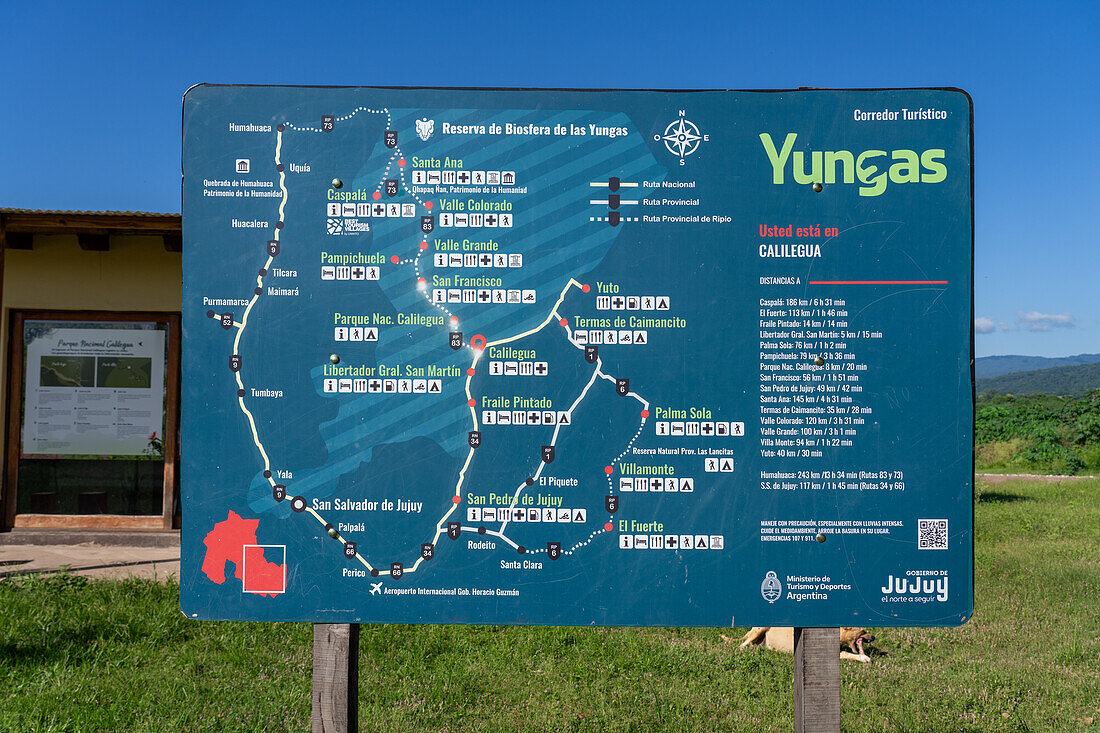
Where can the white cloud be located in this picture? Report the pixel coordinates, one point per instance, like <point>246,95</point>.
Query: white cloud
<point>984,325</point>
<point>1035,321</point>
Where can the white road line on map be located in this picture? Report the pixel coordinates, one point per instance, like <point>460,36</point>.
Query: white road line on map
<point>424,289</point>
<point>402,171</point>
<point>635,395</point>
<point>244,323</point>
<point>343,119</point>
<point>476,356</point>
<point>553,440</point>
<point>549,317</point>
<point>583,543</point>
<point>488,533</point>
<point>338,537</point>
<point>244,319</point>
<point>240,331</point>
<point>389,164</point>
<point>470,378</point>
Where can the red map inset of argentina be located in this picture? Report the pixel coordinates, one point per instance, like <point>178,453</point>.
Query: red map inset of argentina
<point>234,540</point>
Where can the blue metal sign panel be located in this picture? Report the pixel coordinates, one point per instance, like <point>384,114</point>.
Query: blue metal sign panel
<point>577,357</point>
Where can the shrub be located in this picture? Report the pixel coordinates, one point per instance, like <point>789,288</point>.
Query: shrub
<point>1038,432</point>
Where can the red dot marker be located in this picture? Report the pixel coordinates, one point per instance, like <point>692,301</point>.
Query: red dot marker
<point>421,281</point>
<point>645,413</point>
<point>428,205</point>
<point>456,499</point>
<point>423,245</point>
<point>608,527</point>
<point>377,195</point>
<point>401,162</point>
<point>471,402</point>
<point>454,321</point>
<point>585,288</point>
<point>470,371</point>
<point>608,470</point>
<point>564,321</point>
<point>395,259</point>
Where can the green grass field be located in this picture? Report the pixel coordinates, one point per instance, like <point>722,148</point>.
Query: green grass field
<point>80,655</point>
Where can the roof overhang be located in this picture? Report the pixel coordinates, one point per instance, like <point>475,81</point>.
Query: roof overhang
<point>93,229</point>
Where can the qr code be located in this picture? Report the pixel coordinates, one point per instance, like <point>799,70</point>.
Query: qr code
<point>931,534</point>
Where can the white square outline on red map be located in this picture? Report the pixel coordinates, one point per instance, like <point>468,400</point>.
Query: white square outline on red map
<point>244,570</point>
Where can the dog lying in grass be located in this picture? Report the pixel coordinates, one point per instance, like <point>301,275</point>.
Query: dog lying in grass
<point>781,639</point>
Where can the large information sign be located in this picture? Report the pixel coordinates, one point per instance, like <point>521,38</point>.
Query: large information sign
<point>575,357</point>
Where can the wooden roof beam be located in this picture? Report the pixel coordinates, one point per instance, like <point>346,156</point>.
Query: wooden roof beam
<point>94,242</point>
<point>76,223</point>
<point>18,240</point>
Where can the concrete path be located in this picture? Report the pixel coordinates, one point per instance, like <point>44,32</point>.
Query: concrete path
<point>94,559</point>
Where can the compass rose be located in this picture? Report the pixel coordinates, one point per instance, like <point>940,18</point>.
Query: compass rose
<point>682,137</point>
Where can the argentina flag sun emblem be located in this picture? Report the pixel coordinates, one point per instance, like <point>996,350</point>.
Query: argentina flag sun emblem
<point>771,588</point>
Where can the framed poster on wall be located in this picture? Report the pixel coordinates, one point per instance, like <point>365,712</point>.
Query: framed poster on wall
<point>92,419</point>
<point>93,390</point>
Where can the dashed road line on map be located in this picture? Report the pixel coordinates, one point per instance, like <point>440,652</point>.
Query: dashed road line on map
<point>343,119</point>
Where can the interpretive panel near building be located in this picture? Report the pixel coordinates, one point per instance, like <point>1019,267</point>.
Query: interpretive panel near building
<point>97,390</point>
<point>577,357</point>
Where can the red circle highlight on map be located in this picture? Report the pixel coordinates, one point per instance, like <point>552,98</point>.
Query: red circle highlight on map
<point>456,499</point>
<point>471,402</point>
<point>395,259</point>
<point>585,288</point>
<point>377,195</point>
<point>645,413</point>
<point>608,527</point>
<point>470,371</point>
<point>608,470</point>
<point>478,342</point>
<point>428,205</point>
<point>564,321</point>
<point>423,245</point>
<point>401,162</point>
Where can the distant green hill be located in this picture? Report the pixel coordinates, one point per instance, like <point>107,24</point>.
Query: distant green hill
<point>995,366</point>
<point>1061,380</point>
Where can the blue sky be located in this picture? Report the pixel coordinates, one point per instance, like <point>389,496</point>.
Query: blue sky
<point>90,99</point>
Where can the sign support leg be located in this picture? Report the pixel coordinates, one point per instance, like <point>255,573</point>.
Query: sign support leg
<point>816,680</point>
<point>335,678</point>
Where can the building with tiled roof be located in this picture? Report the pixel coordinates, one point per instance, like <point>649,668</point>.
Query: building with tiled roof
<point>91,428</point>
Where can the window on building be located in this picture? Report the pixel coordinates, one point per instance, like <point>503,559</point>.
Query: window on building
<point>92,423</point>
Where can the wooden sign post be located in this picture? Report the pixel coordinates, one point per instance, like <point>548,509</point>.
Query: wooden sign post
<point>335,678</point>
<point>816,680</point>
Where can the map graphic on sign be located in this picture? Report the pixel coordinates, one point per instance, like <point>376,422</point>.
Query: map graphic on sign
<point>234,541</point>
<point>565,357</point>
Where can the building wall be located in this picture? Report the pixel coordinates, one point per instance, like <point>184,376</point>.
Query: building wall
<point>135,274</point>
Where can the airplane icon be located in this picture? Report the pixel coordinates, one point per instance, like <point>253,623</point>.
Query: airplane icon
<point>376,588</point>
